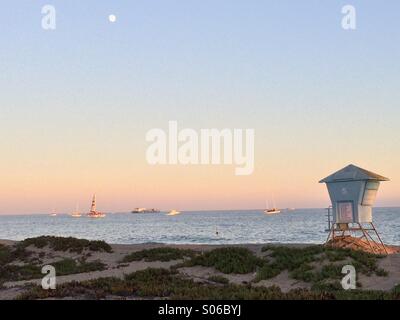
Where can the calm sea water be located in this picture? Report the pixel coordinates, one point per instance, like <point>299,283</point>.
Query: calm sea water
<point>234,227</point>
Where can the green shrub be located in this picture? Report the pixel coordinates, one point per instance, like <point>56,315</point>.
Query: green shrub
<point>32,271</point>
<point>70,266</point>
<point>161,283</point>
<point>287,258</point>
<point>17,273</point>
<point>327,286</point>
<point>228,260</point>
<point>396,291</point>
<point>298,262</point>
<point>330,271</point>
<point>11,272</point>
<point>303,273</point>
<point>159,254</point>
<point>336,255</point>
<point>13,253</point>
<point>66,244</point>
<point>5,255</point>
<point>267,271</point>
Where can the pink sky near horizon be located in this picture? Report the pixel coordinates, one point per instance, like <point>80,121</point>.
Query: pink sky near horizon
<point>76,102</point>
<point>45,172</point>
<point>47,187</point>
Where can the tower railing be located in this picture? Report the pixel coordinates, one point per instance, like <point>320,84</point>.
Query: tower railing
<point>329,218</point>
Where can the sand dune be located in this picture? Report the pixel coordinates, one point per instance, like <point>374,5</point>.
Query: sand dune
<point>115,268</point>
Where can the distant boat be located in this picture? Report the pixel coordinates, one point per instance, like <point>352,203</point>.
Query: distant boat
<point>145,210</point>
<point>93,213</point>
<point>53,214</point>
<point>272,210</point>
<point>173,213</point>
<point>76,213</point>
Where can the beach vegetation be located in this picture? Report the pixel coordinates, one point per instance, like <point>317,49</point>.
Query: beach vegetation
<point>396,290</point>
<point>5,254</point>
<point>169,284</point>
<point>11,272</point>
<point>10,254</point>
<point>159,254</point>
<point>29,271</point>
<point>72,266</point>
<point>160,283</point>
<point>17,263</point>
<point>228,260</point>
<point>319,265</point>
<point>66,244</point>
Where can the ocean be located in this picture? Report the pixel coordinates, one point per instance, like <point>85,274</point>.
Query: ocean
<point>234,227</point>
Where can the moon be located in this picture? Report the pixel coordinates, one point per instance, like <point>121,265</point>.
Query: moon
<point>112,18</point>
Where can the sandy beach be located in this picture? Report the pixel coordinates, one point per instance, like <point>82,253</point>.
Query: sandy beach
<point>115,264</point>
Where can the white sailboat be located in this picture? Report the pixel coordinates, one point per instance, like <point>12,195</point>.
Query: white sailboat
<point>53,214</point>
<point>93,212</point>
<point>173,213</point>
<point>272,210</point>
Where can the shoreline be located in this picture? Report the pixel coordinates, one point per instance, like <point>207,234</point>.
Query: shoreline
<point>139,244</point>
<point>199,246</point>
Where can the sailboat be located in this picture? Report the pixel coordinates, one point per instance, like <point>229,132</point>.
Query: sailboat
<point>173,213</point>
<point>272,210</point>
<point>76,213</point>
<point>53,214</point>
<point>93,213</point>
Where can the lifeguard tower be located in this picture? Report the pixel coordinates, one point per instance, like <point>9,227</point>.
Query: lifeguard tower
<point>352,191</point>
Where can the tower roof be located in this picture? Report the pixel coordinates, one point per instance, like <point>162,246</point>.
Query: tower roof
<point>353,173</point>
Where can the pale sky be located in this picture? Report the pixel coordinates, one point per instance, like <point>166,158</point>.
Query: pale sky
<point>76,102</point>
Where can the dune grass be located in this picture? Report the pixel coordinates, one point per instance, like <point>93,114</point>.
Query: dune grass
<point>159,254</point>
<point>317,265</point>
<point>158,283</point>
<point>15,272</point>
<point>10,254</point>
<point>227,260</point>
<point>302,263</point>
<point>10,272</point>
<point>5,254</point>
<point>17,263</point>
<point>168,284</point>
<point>71,266</point>
<point>66,244</point>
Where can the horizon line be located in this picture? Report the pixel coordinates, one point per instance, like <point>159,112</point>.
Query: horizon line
<point>202,210</point>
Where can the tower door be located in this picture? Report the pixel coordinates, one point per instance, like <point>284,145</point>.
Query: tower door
<point>345,212</point>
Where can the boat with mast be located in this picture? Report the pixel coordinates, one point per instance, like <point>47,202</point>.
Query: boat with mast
<point>53,213</point>
<point>273,210</point>
<point>93,212</point>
